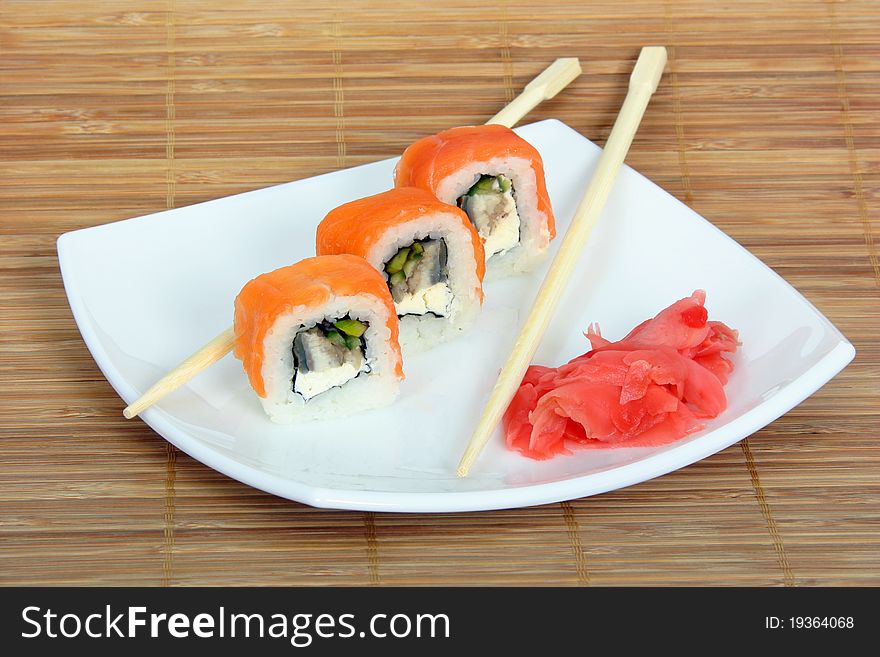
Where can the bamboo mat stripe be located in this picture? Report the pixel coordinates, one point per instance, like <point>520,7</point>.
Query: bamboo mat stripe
<point>168,532</point>
<point>506,60</point>
<point>372,547</point>
<point>850,144</point>
<point>766,123</point>
<point>679,127</point>
<point>574,537</point>
<point>767,513</point>
<point>170,111</point>
<point>338,95</point>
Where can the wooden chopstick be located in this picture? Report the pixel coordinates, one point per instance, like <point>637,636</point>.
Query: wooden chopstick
<point>549,83</point>
<point>642,84</point>
<point>554,79</point>
<point>201,360</point>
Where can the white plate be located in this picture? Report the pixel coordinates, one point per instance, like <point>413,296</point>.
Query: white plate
<point>146,292</point>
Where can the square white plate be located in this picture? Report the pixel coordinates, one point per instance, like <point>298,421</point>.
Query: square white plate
<point>147,292</point>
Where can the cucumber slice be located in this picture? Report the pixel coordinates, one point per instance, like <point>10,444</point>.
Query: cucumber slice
<point>397,277</point>
<point>417,248</point>
<point>335,338</point>
<point>482,186</point>
<point>351,342</point>
<point>504,184</point>
<point>396,263</point>
<point>351,327</point>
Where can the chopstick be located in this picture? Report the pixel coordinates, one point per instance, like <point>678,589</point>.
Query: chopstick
<point>549,83</point>
<point>642,84</point>
<point>201,360</point>
<point>554,79</point>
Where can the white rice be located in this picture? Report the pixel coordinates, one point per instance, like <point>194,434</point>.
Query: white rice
<point>534,236</point>
<point>421,332</point>
<point>372,389</point>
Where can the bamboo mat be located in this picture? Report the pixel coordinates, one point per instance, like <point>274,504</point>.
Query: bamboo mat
<point>766,123</point>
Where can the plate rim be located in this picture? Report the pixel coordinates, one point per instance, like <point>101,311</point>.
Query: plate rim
<point>676,457</point>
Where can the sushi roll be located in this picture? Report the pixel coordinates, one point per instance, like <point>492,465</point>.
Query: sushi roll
<point>319,339</point>
<point>497,178</point>
<point>429,256</point>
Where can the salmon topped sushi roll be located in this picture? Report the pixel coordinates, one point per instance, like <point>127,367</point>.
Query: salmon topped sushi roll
<point>429,255</point>
<point>497,178</point>
<point>319,338</point>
